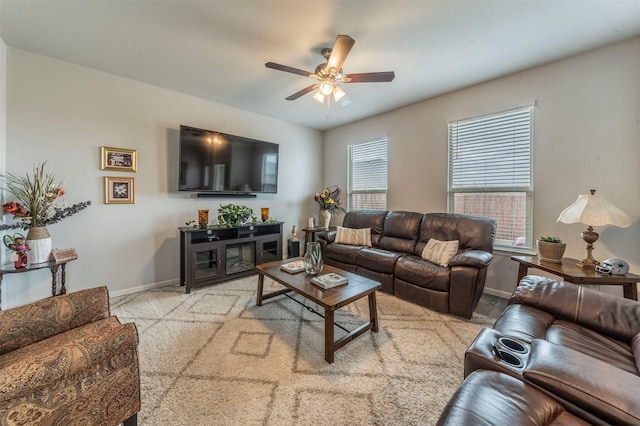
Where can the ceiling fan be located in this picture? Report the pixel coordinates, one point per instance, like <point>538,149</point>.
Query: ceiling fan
<point>329,74</point>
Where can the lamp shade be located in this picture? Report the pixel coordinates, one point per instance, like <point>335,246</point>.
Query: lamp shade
<point>594,210</point>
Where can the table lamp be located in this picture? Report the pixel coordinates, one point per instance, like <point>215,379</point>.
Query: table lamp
<point>593,210</point>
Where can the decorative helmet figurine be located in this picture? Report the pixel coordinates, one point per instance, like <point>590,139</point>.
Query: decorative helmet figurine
<point>613,266</point>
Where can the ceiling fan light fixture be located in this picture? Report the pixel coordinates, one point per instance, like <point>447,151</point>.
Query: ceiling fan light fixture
<point>326,87</point>
<point>338,93</point>
<point>319,96</point>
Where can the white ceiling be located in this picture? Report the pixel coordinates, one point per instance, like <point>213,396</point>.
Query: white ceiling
<point>216,50</point>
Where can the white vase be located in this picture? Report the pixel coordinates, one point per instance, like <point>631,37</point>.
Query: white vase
<point>325,218</point>
<point>39,242</point>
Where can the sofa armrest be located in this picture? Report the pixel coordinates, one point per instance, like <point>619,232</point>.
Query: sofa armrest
<point>473,258</point>
<point>606,391</point>
<point>327,236</point>
<point>63,356</point>
<point>24,325</point>
<point>603,312</point>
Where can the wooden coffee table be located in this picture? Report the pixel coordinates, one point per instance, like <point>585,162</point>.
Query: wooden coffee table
<point>331,299</point>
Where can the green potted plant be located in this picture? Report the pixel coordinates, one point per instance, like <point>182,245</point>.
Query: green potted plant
<point>550,249</point>
<point>235,215</point>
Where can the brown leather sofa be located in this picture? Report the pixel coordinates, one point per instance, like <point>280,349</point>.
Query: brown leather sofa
<point>66,361</point>
<point>579,346</point>
<point>394,257</point>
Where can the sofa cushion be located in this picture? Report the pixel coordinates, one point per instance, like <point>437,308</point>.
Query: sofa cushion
<point>401,230</point>
<point>422,273</point>
<point>440,252</point>
<point>377,260</point>
<point>472,232</point>
<point>373,219</point>
<point>353,236</point>
<point>635,347</point>
<point>489,398</point>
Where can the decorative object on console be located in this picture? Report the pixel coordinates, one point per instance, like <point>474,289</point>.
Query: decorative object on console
<point>118,159</point>
<point>613,266</point>
<point>593,210</point>
<point>64,255</point>
<point>37,195</point>
<point>550,249</point>
<point>313,259</point>
<point>264,213</point>
<point>203,218</point>
<point>17,244</point>
<point>235,215</point>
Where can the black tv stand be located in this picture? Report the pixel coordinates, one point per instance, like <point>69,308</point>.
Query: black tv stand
<point>216,254</point>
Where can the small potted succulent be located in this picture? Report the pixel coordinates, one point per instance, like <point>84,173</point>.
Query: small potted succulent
<point>550,249</point>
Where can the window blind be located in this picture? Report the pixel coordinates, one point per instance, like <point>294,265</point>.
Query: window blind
<point>367,186</point>
<point>490,172</point>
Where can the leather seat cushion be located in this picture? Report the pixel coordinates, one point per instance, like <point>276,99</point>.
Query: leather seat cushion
<point>342,252</point>
<point>420,272</point>
<point>490,398</point>
<point>377,260</point>
<point>528,323</point>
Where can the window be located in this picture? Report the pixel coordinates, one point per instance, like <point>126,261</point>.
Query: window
<point>367,177</point>
<point>490,172</point>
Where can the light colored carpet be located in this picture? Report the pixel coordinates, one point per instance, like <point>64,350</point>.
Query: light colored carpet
<point>213,357</point>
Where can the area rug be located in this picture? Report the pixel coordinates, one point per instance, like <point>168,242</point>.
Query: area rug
<point>213,357</point>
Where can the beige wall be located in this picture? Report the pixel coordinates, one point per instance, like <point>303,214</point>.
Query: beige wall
<point>586,136</point>
<point>64,113</point>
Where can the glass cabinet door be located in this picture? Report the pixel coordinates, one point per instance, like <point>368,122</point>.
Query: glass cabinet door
<point>206,261</point>
<point>269,249</point>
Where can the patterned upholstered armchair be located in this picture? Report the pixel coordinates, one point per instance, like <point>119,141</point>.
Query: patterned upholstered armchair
<point>66,361</point>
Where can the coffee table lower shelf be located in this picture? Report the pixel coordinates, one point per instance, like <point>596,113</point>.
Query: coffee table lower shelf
<point>330,300</point>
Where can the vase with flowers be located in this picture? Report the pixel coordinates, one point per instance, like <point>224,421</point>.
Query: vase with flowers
<point>329,202</point>
<point>37,206</point>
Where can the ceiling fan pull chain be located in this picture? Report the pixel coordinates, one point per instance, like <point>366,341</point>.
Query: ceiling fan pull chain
<point>328,106</point>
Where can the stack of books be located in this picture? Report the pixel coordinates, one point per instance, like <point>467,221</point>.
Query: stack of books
<point>329,280</point>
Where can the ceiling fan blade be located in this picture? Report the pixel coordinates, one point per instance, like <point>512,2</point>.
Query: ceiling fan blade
<point>339,52</point>
<point>302,92</point>
<point>369,77</point>
<point>285,68</point>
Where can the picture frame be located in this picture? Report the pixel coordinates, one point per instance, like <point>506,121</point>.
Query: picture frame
<point>119,190</point>
<point>64,255</point>
<point>118,159</point>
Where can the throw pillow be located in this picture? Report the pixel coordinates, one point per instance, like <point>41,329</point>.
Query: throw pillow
<point>354,237</point>
<point>440,252</point>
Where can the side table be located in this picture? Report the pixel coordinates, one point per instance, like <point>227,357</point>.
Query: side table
<point>53,266</point>
<point>571,272</point>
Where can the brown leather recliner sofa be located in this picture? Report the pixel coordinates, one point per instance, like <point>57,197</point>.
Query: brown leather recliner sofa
<point>578,346</point>
<point>394,257</point>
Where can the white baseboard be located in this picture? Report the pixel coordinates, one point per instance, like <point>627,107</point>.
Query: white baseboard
<point>142,288</point>
<point>499,293</point>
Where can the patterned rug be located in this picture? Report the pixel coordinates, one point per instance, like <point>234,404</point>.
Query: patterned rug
<point>213,357</point>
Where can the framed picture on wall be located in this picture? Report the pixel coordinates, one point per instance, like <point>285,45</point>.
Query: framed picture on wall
<point>121,159</point>
<point>119,190</point>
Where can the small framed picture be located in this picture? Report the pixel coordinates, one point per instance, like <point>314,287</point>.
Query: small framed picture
<point>120,159</point>
<point>119,190</point>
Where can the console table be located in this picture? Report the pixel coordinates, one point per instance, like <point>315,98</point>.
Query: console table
<point>53,266</point>
<point>310,234</point>
<point>571,272</point>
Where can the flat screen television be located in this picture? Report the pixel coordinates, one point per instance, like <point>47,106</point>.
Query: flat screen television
<point>215,162</point>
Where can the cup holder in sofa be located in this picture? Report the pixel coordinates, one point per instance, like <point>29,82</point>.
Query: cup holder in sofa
<point>512,345</point>
<point>508,358</point>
